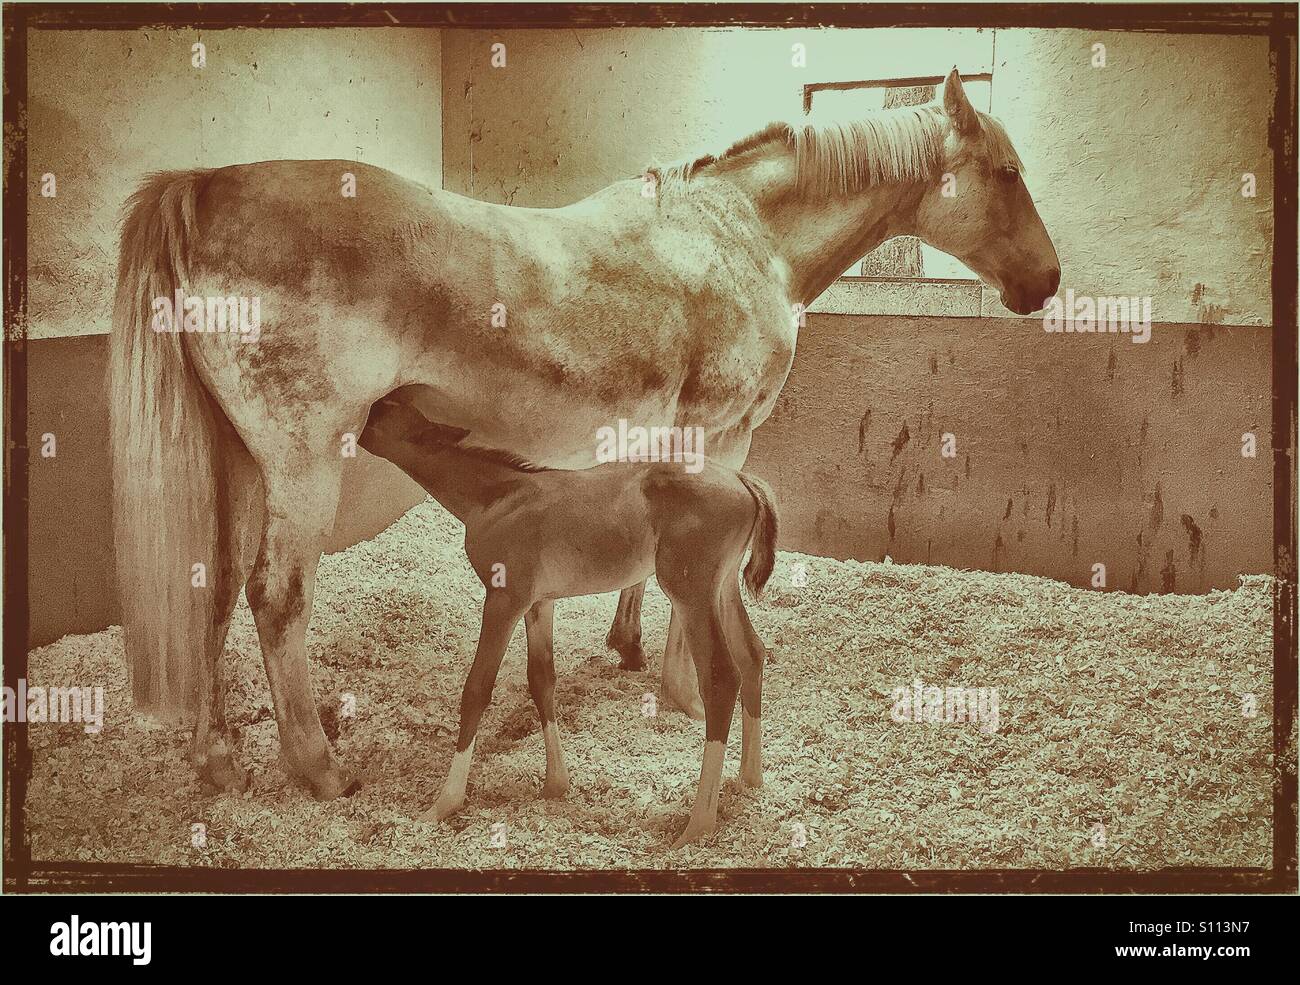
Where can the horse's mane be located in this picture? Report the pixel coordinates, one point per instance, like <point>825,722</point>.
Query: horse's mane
<point>838,155</point>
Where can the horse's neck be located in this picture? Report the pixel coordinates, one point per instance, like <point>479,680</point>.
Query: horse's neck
<point>819,236</point>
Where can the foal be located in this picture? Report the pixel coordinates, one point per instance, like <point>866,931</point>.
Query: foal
<point>535,535</point>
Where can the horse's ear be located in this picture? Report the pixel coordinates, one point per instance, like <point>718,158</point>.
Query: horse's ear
<point>962,114</point>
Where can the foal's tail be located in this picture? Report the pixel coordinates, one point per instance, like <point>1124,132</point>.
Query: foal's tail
<point>762,555</point>
<point>164,485</point>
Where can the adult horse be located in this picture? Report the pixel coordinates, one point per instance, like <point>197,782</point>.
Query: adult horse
<point>531,329</point>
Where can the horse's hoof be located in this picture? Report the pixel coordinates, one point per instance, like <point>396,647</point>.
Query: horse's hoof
<point>631,658</point>
<point>220,773</point>
<point>441,810</point>
<point>555,789</point>
<point>337,782</point>
<point>691,704</point>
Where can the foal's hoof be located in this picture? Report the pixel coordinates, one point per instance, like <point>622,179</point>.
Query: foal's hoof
<point>442,810</point>
<point>555,787</point>
<point>693,833</point>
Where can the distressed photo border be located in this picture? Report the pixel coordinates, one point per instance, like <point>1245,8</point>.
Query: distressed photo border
<point>22,873</point>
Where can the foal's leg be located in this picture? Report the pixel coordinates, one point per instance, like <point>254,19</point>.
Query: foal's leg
<point>625,633</point>
<point>539,622</point>
<point>750,654</point>
<point>302,493</point>
<point>500,616</point>
<point>719,682</point>
<point>681,688</point>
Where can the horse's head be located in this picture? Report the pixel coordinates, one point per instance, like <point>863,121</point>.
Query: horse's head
<point>980,210</point>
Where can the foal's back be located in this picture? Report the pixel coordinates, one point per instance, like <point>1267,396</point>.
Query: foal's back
<point>609,527</point>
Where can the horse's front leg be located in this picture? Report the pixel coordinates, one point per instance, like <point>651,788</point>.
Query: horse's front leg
<point>540,623</point>
<point>301,498</point>
<point>681,682</point>
<point>625,632</point>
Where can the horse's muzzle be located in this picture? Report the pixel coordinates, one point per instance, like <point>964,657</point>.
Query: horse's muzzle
<point>1027,301</point>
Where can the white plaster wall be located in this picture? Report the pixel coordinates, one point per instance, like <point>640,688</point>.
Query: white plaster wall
<point>1136,167</point>
<point>108,106</point>
<point>572,111</point>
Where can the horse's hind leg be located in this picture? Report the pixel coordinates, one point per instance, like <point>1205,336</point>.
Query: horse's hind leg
<point>239,528</point>
<point>719,683</point>
<point>625,632</point>
<point>302,491</point>
<point>680,688</point>
<point>540,622</point>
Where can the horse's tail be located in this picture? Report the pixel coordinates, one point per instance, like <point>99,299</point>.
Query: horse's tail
<point>164,484</point>
<point>762,555</point>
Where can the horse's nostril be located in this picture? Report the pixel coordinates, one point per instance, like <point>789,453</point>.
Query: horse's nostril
<point>1053,281</point>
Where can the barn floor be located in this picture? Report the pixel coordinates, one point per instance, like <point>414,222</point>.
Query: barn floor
<point>1114,710</point>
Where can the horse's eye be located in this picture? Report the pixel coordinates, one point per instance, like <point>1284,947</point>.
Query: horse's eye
<point>1009,175</point>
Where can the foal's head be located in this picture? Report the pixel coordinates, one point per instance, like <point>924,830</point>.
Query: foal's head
<point>394,423</point>
<point>979,210</point>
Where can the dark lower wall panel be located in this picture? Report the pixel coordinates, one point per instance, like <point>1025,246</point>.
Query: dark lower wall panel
<point>1071,450</point>
<point>70,579</point>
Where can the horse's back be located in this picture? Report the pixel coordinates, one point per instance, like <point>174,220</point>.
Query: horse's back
<point>284,219</point>
<point>617,306</point>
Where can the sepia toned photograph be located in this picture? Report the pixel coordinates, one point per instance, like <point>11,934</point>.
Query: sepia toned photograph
<point>649,448</point>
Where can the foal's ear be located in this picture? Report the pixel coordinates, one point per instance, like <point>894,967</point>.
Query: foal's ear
<point>962,114</point>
